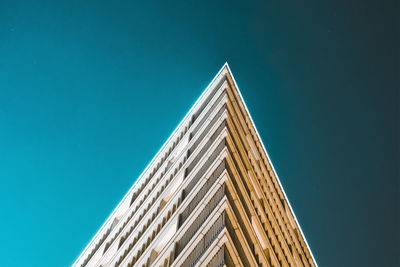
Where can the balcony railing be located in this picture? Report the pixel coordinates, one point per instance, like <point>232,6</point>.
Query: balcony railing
<point>201,193</point>
<point>221,258</point>
<point>208,99</point>
<point>207,115</point>
<point>205,242</point>
<point>204,149</point>
<point>201,218</point>
<point>206,130</point>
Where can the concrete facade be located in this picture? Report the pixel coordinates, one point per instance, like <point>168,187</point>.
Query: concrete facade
<point>210,197</point>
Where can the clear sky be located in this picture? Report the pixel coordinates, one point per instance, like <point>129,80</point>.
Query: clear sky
<point>90,90</point>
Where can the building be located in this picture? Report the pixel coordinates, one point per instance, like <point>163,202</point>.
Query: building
<point>210,197</point>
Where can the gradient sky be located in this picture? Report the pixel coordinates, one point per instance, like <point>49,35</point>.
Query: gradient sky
<point>90,90</point>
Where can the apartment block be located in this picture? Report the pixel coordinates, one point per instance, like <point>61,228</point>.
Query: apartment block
<point>209,197</point>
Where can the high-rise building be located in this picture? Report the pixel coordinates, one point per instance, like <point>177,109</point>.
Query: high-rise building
<point>210,197</point>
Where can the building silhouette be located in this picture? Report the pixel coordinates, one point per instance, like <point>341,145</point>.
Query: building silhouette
<point>210,197</point>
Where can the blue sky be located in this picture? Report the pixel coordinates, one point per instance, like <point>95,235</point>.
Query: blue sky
<point>90,90</point>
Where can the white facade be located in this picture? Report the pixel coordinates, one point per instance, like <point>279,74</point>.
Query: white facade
<point>210,197</point>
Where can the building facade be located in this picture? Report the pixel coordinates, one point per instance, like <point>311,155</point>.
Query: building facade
<point>210,197</point>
